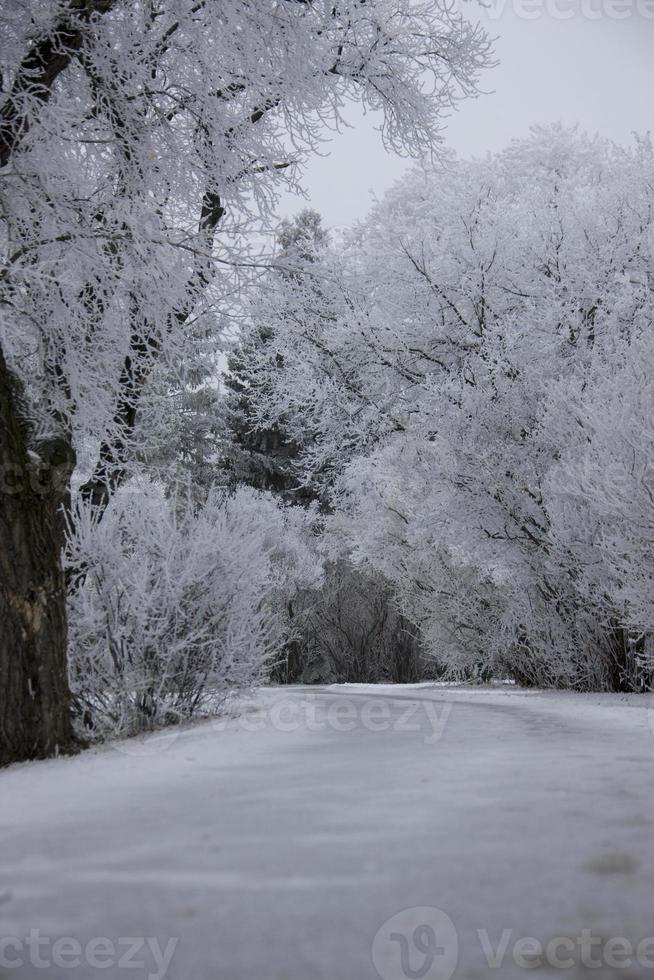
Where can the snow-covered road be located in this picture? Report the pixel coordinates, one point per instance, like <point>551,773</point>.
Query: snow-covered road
<point>281,846</point>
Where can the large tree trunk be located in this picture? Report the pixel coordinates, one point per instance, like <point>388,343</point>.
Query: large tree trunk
<point>34,694</point>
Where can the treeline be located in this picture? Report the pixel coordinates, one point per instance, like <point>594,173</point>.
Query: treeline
<point>466,383</point>
<point>431,455</point>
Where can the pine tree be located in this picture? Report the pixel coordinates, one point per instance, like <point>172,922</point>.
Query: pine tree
<point>267,457</point>
<point>178,426</point>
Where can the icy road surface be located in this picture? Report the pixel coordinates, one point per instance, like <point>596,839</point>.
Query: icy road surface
<point>342,833</point>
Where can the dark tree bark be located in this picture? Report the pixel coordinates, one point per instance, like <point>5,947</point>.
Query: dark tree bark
<point>34,695</point>
<point>48,57</point>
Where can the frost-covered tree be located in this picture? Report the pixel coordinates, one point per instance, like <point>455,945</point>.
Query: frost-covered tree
<point>600,498</point>
<point>136,140</point>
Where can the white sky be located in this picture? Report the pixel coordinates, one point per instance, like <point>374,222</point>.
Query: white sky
<point>595,72</point>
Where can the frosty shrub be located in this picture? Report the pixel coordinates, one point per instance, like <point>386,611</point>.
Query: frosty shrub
<point>172,608</point>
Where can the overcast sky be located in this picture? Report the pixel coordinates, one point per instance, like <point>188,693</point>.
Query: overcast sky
<point>596,71</point>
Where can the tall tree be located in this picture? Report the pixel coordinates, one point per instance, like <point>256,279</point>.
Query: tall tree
<point>34,693</point>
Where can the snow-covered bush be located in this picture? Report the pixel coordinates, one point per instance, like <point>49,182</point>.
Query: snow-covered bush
<point>172,607</point>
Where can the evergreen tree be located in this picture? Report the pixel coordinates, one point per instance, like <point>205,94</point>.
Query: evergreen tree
<point>266,457</point>
<point>178,425</point>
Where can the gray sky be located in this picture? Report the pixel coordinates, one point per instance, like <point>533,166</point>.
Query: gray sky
<point>595,70</point>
